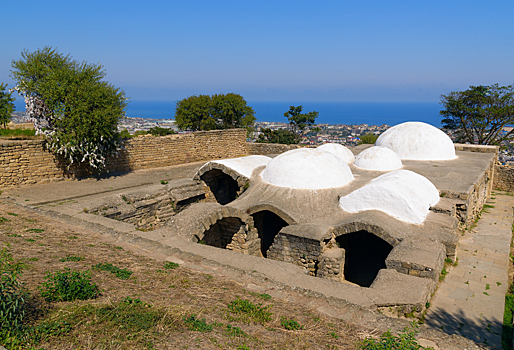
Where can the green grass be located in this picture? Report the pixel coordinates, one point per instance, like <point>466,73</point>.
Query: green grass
<point>248,312</point>
<point>169,265</point>
<point>290,324</point>
<point>123,274</point>
<point>72,258</point>
<point>35,230</point>
<point>196,324</point>
<point>68,285</point>
<point>405,340</point>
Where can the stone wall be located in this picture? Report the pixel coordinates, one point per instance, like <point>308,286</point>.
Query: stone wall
<point>504,178</point>
<point>269,148</point>
<point>300,251</point>
<point>27,162</point>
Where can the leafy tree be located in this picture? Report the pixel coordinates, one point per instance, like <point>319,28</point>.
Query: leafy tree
<point>368,139</point>
<point>479,113</point>
<point>204,112</point>
<point>282,136</point>
<point>298,120</point>
<point>158,131</point>
<point>71,104</point>
<point>6,105</point>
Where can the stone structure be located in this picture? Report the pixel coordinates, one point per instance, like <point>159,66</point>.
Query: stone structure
<point>27,162</point>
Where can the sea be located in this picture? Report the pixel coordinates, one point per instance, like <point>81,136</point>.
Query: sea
<point>371,113</point>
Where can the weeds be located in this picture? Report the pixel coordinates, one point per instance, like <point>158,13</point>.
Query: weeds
<point>68,285</point>
<point>291,325</point>
<point>250,312</point>
<point>164,182</point>
<point>35,230</point>
<point>123,274</point>
<point>195,324</point>
<point>406,340</point>
<point>169,265</point>
<point>72,258</point>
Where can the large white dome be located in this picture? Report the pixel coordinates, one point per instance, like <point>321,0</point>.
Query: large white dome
<point>418,141</point>
<point>402,194</point>
<point>338,150</point>
<point>378,158</point>
<point>306,168</point>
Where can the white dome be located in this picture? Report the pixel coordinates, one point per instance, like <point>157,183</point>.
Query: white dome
<point>306,168</point>
<point>418,141</point>
<point>338,150</point>
<point>402,194</point>
<point>378,158</point>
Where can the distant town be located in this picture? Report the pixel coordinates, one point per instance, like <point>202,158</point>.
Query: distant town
<point>347,135</point>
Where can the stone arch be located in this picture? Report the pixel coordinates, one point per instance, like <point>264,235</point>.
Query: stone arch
<point>231,229</point>
<point>223,182</point>
<point>268,225</point>
<point>366,248</point>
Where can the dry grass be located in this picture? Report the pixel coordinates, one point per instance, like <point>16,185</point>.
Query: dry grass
<point>161,300</point>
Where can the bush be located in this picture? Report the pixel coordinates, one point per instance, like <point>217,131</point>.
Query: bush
<point>13,298</point>
<point>68,285</point>
<point>158,131</point>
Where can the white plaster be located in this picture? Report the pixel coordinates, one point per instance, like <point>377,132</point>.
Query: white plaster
<point>244,165</point>
<point>378,158</point>
<point>306,168</point>
<point>402,194</point>
<point>418,141</point>
<point>338,150</point>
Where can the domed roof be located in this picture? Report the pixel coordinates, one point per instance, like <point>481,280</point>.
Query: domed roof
<point>306,168</point>
<point>418,141</point>
<point>378,158</point>
<point>402,194</point>
<point>338,150</point>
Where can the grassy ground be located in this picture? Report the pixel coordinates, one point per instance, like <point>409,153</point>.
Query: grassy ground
<point>18,134</point>
<point>150,304</point>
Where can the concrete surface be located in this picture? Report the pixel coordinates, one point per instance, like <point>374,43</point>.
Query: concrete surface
<point>471,300</point>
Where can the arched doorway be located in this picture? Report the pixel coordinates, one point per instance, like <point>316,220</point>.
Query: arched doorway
<point>365,255</point>
<point>223,186</point>
<point>268,225</point>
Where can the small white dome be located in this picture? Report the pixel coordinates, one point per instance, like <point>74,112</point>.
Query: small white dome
<point>306,168</point>
<point>418,141</point>
<point>402,194</point>
<point>378,158</point>
<point>338,150</point>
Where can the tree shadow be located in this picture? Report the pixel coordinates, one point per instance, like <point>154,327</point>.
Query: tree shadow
<point>482,330</point>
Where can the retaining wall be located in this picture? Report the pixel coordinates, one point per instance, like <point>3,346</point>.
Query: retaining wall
<point>28,162</point>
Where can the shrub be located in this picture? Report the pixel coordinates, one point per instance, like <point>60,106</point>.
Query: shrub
<point>13,297</point>
<point>158,131</point>
<point>68,285</point>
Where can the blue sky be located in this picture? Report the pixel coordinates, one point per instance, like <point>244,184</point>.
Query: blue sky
<point>274,50</point>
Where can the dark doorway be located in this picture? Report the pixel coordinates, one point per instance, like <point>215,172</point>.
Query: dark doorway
<point>221,233</point>
<point>365,256</point>
<point>268,225</point>
<point>222,186</point>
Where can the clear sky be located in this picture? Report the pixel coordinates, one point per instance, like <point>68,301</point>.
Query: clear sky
<point>277,50</point>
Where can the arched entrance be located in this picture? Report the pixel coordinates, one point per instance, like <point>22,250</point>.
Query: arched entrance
<point>365,255</point>
<point>223,186</point>
<point>268,225</point>
<point>221,234</point>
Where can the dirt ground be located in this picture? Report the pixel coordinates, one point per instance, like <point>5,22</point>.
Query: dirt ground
<point>172,302</point>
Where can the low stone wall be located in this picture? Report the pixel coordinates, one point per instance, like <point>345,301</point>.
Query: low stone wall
<point>269,148</point>
<point>300,251</point>
<point>504,178</point>
<point>27,162</point>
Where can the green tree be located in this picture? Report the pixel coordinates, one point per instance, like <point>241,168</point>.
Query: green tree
<point>479,113</point>
<point>368,139</point>
<point>285,137</point>
<point>73,106</point>
<point>298,120</point>
<point>6,105</point>
<point>220,111</point>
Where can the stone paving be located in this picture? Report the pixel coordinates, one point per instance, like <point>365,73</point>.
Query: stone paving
<point>471,300</point>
